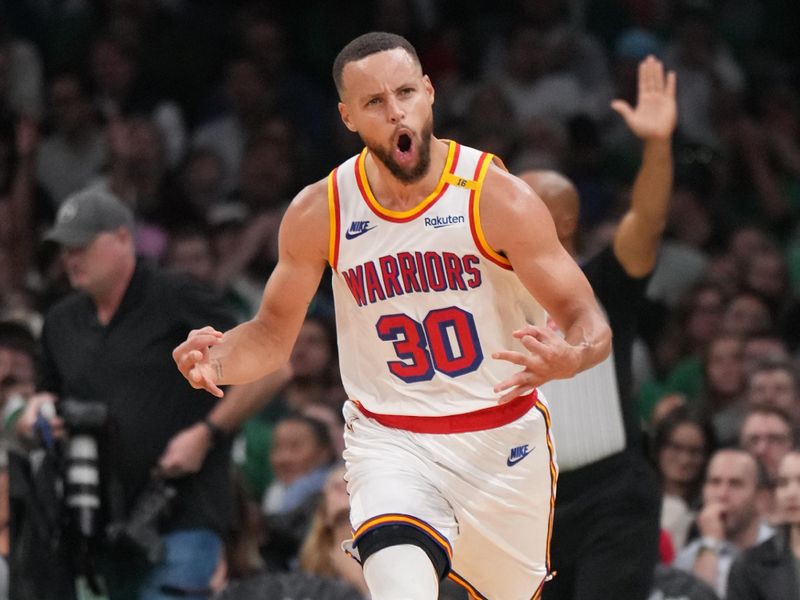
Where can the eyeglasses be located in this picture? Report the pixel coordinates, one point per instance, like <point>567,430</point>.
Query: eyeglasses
<point>691,451</point>
<point>772,439</point>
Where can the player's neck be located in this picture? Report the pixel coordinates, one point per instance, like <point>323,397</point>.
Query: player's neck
<point>394,194</point>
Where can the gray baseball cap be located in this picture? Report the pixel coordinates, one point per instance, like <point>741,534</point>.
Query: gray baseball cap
<point>86,214</point>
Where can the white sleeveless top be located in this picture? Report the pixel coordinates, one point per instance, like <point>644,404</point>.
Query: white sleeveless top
<point>422,301</point>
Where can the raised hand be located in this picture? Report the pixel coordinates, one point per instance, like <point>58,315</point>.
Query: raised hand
<point>549,357</point>
<point>195,363</point>
<point>656,110</point>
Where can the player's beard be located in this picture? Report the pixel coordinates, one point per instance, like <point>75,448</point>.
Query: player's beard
<point>416,172</point>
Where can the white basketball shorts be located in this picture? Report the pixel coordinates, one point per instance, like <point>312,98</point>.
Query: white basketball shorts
<point>485,497</point>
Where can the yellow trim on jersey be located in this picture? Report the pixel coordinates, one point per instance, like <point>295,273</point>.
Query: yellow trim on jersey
<point>476,213</point>
<point>332,213</point>
<point>405,214</point>
<point>454,179</point>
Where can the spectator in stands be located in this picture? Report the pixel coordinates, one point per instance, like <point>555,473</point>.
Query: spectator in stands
<point>761,347</point>
<point>775,383</point>
<point>250,102</point>
<point>140,176</point>
<point>18,357</point>
<point>190,251</point>
<point>722,401</point>
<point>21,74</point>
<point>678,350</point>
<point>731,519</point>
<point>301,456</point>
<point>681,447</point>
<point>109,342</point>
<point>768,433</point>
<point>747,313</point>
<point>769,570</point>
<point>705,66</point>
<point>201,181</point>
<point>313,364</point>
<point>76,149</point>
<point>321,553</point>
<point>120,92</point>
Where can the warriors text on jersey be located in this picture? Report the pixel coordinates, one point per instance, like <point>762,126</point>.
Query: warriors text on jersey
<point>422,301</point>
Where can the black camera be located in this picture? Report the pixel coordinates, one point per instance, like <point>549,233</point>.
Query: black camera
<point>85,423</point>
<point>140,531</point>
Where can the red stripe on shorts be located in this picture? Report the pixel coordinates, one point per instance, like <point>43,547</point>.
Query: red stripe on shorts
<point>477,420</point>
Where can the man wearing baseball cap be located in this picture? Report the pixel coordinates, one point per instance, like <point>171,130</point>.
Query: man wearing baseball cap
<point>110,341</point>
<point>85,215</point>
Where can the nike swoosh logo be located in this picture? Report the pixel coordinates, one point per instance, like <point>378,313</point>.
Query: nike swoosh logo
<point>513,461</point>
<point>350,235</point>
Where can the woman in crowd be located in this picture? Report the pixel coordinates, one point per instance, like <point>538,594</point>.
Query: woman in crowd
<point>681,447</point>
<point>301,456</point>
<point>321,553</point>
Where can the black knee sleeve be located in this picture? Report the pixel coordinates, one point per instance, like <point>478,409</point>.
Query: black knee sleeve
<point>399,534</point>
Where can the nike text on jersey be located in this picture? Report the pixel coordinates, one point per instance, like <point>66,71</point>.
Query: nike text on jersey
<point>517,454</point>
<point>358,228</point>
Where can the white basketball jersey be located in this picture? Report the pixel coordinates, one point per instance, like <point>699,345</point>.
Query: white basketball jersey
<point>422,301</point>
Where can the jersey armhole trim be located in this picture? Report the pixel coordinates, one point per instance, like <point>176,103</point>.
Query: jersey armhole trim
<point>475,219</point>
<point>334,213</point>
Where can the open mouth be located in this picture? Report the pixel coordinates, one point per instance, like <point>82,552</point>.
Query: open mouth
<point>404,142</point>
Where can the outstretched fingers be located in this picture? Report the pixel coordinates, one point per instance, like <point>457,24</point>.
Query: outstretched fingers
<point>200,380</point>
<point>193,359</point>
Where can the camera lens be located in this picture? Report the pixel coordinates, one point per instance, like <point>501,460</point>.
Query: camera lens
<point>82,492</point>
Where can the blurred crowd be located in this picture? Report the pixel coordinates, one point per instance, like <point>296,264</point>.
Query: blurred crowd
<point>207,117</point>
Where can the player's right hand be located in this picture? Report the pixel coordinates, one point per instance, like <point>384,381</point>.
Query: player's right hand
<point>193,358</point>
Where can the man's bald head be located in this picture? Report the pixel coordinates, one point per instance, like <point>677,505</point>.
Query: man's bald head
<point>561,198</point>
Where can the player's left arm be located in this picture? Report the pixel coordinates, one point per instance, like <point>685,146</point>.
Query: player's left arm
<point>517,224</point>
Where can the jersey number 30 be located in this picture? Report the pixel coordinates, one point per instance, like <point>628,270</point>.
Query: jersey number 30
<point>445,341</point>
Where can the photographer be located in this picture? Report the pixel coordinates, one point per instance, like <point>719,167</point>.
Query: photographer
<point>109,343</point>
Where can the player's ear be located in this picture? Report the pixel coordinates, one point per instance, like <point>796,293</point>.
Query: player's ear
<point>345,115</point>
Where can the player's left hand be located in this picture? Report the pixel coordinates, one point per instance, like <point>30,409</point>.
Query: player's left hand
<point>656,109</point>
<point>549,357</point>
<point>185,452</point>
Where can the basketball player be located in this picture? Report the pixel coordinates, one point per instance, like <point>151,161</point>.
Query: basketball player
<point>444,265</point>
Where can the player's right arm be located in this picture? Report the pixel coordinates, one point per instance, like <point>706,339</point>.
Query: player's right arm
<point>209,358</point>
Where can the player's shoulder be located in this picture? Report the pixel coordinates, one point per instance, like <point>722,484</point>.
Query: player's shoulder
<point>312,195</point>
<point>311,202</point>
<point>504,189</point>
<point>306,223</point>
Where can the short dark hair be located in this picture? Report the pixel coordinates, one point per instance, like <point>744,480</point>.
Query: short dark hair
<point>769,364</point>
<point>17,336</point>
<point>318,429</point>
<point>366,45</point>
<point>761,475</point>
